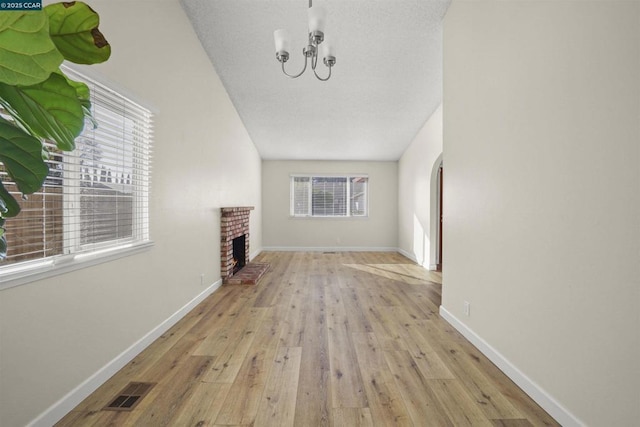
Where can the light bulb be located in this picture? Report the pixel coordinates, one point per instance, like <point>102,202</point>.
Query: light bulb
<point>328,48</point>
<point>317,17</point>
<point>282,40</point>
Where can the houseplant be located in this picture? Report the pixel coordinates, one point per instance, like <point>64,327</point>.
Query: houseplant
<point>38,101</point>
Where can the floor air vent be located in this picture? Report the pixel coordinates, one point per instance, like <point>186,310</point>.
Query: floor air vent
<point>128,398</point>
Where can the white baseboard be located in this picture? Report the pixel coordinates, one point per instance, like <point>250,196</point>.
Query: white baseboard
<point>412,257</point>
<point>328,249</point>
<point>409,255</point>
<point>255,254</point>
<point>62,407</point>
<point>539,395</point>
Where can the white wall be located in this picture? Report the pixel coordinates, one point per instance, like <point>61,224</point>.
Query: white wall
<point>377,232</point>
<point>58,332</point>
<point>542,194</point>
<point>418,191</point>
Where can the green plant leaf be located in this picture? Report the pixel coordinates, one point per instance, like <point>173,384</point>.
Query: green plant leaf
<point>27,53</point>
<point>74,29</point>
<point>50,110</point>
<point>84,96</point>
<point>21,154</point>
<point>9,207</point>
<point>82,91</point>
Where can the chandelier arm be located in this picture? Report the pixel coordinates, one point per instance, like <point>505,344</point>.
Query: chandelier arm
<point>297,75</point>
<point>320,78</point>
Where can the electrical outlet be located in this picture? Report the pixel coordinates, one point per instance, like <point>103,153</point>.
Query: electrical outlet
<point>202,279</point>
<point>467,308</point>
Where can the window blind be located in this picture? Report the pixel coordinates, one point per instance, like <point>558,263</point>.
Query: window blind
<point>358,195</point>
<point>96,197</point>
<point>329,196</point>
<point>301,200</point>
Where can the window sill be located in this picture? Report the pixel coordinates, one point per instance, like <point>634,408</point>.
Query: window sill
<point>30,272</point>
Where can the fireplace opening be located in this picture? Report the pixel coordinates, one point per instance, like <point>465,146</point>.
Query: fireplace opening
<point>239,252</point>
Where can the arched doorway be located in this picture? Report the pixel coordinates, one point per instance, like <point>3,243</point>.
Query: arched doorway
<point>439,218</point>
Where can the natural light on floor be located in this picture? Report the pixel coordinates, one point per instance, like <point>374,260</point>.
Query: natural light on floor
<point>409,273</point>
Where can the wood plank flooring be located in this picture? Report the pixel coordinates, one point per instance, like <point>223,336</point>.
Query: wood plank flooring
<point>325,339</point>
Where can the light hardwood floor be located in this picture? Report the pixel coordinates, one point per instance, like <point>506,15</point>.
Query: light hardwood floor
<point>335,339</point>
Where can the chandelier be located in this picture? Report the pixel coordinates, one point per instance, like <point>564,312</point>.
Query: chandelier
<point>316,38</point>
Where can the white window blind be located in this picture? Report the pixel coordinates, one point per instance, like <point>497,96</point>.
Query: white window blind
<point>329,196</point>
<point>95,198</point>
<point>301,195</point>
<point>358,195</point>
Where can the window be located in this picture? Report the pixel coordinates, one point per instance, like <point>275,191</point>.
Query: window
<point>95,198</point>
<point>329,196</point>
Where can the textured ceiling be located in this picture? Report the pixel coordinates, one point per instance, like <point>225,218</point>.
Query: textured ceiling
<point>386,82</point>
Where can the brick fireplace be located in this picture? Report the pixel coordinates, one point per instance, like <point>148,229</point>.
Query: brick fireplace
<point>235,267</point>
<point>234,224</point>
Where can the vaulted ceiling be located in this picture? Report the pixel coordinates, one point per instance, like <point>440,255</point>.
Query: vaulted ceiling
<point>386,83</point>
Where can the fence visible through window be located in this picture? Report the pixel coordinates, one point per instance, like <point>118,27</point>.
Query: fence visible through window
<point>94,197</point>
<point>329,196</point>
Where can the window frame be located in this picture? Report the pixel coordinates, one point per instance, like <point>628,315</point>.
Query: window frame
<point>90,254</point>
<point>309,215</point>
